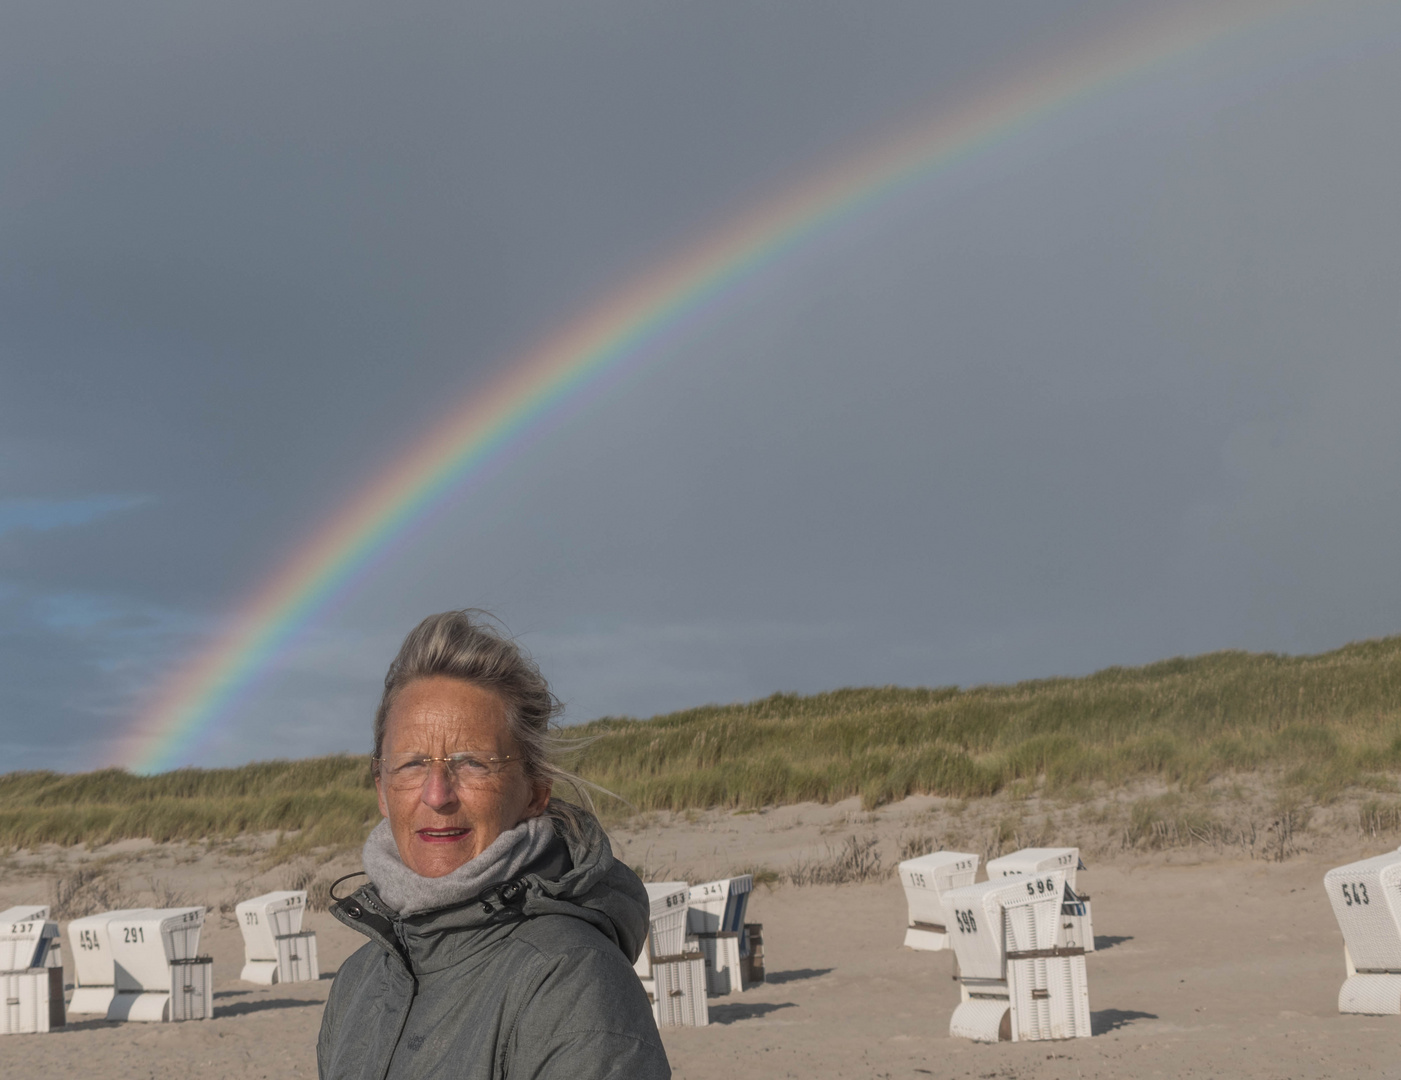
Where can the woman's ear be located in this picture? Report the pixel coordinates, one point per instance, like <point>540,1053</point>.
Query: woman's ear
<point>379,793</point>
<point>540,799</point>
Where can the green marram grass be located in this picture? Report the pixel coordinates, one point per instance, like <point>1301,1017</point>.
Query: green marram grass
<point>1318,725</point>
<point>326,801</point>
<point>1321,723</point>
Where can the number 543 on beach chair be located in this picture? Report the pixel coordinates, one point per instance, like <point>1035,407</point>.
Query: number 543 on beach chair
<point>1366,899</point>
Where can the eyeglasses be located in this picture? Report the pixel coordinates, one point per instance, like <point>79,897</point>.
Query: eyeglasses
<point>466,768</point>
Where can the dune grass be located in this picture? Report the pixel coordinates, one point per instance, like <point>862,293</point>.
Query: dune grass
<point>1319,726</point>
<point>325,801</point>
<point>1322,724</point>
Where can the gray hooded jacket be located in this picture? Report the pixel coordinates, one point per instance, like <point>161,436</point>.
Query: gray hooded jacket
<point>533,979</point>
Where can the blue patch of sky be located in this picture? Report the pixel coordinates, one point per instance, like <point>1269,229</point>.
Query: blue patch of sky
<point>41,515</point>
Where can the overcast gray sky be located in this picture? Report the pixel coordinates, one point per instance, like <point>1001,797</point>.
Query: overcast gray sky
<point>1119,388</point>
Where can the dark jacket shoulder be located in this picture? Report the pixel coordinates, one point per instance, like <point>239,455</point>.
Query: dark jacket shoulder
<point>533,979</point>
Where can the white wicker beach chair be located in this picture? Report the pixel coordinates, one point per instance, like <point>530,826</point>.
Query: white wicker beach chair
<point>275,947</point>
<point>672,974</point>
<point>925,880</point>
<point>1078,921</point>
<point>160,975</point>
<point>94,971</point>
<point>31,971</point>
<point>1020,981</point>
<point>715,921</point>
<point>1366,899</point>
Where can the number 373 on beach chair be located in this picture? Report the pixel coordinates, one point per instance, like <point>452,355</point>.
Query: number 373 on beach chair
<point>275,948</point>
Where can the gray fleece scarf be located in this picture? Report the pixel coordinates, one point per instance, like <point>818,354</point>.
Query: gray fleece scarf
<point>409,893</point>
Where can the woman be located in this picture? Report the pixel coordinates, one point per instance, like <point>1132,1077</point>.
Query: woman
<point>502,930</point>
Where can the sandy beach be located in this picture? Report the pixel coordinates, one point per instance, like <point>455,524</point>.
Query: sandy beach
<point>1210,963</point>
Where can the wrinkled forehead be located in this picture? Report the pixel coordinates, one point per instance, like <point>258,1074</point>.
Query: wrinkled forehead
<point>439,715</point>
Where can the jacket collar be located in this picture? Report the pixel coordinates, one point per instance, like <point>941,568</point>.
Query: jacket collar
<point>577,876</point>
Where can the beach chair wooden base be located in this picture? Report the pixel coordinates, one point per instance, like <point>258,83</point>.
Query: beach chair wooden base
<point>982,1019</point>
<point>926,937</point>
<point>678,991</point>
<point>31,1001</point>
<point>1372,994</point>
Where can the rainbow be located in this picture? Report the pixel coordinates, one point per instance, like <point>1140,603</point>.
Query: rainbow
<point>584,357</point>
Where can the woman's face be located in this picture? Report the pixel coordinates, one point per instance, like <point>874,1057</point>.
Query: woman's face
<point>439,824</point>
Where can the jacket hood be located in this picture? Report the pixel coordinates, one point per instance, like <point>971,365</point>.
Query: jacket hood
<point>577,877</point>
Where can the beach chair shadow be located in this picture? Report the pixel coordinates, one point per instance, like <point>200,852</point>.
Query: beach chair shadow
<point>90,1024</point>
<point>796,975</point>
<point>729,1014</point>
<point>243,1008</point>
<point>1106,1020</point>
<point>1108,942</point>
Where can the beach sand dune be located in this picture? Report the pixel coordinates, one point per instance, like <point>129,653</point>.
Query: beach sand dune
<point>1209,964</point>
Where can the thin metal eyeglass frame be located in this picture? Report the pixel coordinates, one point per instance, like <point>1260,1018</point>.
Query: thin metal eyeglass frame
<point>390,774</point>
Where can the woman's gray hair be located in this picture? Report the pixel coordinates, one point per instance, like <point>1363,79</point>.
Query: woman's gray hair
<point>466,645</point>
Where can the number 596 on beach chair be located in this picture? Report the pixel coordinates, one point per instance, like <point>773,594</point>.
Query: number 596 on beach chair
<point>1020,981</point>
<point>1075,908</point>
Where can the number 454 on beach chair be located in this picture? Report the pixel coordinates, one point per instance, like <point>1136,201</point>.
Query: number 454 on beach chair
<point>142,964</point>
